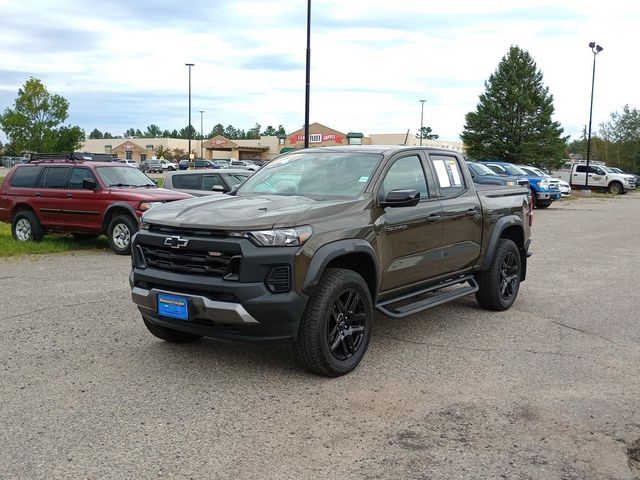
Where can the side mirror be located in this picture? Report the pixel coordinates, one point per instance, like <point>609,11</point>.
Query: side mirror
<point>217,188</point>
<point>89,184</point>
<point>401,198</point>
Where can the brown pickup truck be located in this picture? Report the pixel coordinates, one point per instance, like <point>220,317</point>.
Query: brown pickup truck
<point>309,246</point>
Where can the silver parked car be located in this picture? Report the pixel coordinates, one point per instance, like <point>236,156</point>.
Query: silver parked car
<point>205,182</point>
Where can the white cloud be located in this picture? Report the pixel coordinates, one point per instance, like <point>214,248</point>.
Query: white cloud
<point>122,64</point>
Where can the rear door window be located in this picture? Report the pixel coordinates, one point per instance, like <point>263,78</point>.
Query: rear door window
<point>55,177</point>
<point>26,176</point>
<point>187,182</point>
<point>448,174</point>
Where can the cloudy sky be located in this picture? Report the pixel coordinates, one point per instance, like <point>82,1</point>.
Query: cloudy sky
<point>120,63</point>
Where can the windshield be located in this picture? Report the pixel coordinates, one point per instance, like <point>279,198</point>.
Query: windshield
<point>480,169</point>
<point>314,174</point>
<point>123,176</point>
<point>513,170</point>
<point>610,170</point>
<point>236,178</point>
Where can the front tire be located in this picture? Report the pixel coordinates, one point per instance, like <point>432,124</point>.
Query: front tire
<point>169,334</point>
<point>499,285</point>
<point>120,231</point>
<point>336,325</point>
<point>26,227</point>
<point>615,188</point>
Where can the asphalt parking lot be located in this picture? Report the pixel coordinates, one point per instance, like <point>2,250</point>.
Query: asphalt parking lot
<point>546,390</point>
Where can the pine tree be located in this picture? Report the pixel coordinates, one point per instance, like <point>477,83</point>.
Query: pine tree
<point>513,121</point>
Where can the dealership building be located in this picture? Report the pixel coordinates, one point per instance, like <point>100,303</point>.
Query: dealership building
<point>264,148</point>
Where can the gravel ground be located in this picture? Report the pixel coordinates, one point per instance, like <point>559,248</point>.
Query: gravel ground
<point>546,390</point>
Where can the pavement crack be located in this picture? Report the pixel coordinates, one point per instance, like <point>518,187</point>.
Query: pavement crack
<point>497,350</point>
<point>586,332</point>
<point>90,302</point>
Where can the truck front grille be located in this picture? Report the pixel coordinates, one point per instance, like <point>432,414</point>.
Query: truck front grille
<point>554,185</point>
<point>194,262</point>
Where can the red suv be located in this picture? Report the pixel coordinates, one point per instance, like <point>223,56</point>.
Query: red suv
<point>86,198</point>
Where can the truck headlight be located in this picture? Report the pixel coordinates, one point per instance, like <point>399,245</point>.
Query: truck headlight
<point>510,183</point>
<point>544,184</point>
<point>281,237</point>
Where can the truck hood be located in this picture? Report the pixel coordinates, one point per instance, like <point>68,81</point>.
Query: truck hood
<point>246,212</point>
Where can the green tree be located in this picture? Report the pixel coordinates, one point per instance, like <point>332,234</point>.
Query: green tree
<point>65,139</point>
<point>253,132</point>
<point>269,131</point>
<point>153,131</point>
<point>34,124</point>
<point>218,129</point>
<point>130,133</point>
<point>230,132</point>
<point>621,137</point>
<point>95,133</point>
<point>107,135</point>
<point>281,131</point>
<point>184,132</point>
<point>426,133</point>
<point>513,121</point>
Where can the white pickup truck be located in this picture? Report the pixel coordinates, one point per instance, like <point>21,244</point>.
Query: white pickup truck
<point>600,176</point>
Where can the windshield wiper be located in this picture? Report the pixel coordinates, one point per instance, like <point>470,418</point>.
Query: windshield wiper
<point>145,185</point>
<point>121,185</point>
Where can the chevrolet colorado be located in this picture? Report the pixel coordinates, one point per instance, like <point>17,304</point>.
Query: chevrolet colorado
<point>309,246</point>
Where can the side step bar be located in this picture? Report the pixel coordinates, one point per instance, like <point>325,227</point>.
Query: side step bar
<point>437,298</point>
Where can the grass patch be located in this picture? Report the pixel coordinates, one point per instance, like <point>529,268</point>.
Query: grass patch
<point>51,243</point>
<point>160,182</point>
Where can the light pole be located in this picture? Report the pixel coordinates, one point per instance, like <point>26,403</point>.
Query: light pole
<point>596,49</point>
<point>308,77</point>
<point>201,135</point>
<point>189,65</point>
<point>421,119</point>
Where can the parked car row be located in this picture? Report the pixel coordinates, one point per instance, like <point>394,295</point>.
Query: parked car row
<point>544,188</point>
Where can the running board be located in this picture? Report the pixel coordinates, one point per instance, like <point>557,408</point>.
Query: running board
<point>438,297</point>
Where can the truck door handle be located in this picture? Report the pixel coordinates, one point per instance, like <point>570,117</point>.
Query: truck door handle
<point>38,194</point>
<point>69,195</point>
<point>434,217</point>
<point>472,212</point>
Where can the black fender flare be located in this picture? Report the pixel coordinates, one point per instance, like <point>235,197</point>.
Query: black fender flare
<point>333,250</point>
<point>113,206</point>
<point>500,226</point>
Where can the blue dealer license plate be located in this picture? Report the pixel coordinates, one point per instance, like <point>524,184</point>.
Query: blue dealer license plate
<point>173,306</point>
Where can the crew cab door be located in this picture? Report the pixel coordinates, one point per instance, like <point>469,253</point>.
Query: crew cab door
<point>597,176</point>
<point>50,197</point>
<point>461,213</point>
<point>410,237</point>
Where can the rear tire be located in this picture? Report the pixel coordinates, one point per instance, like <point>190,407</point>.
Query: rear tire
<point>543,205</point>
<point>499,284</point>
<point>169,334</point>
<point>26,227</point>
<point>336,325</point>
<point>120,232</point>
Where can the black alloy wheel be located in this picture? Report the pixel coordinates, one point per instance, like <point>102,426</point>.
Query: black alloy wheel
<point>346,325</point>
<point>509,276</point>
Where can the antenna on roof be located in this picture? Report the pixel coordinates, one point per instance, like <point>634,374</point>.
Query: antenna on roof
<point>405,138</point>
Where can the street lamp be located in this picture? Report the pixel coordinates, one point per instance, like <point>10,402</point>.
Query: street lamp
<point>421,119</point>
<point>596,49</point>
<point>189,133</point>
<point>308,77</point>
<point>201,135</point>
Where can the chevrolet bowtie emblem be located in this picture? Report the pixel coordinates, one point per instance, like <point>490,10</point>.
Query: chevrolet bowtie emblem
<point>176,242</point>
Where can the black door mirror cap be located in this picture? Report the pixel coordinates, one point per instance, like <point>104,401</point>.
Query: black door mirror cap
<point>89,184</point>
<point>401,198</point>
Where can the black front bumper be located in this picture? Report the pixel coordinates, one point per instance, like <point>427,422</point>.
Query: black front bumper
<point>238,306</point>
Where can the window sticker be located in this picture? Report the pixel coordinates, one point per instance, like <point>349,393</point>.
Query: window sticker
<point>363,179</point>
<point>455,173</point>
<point>441,171</point>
